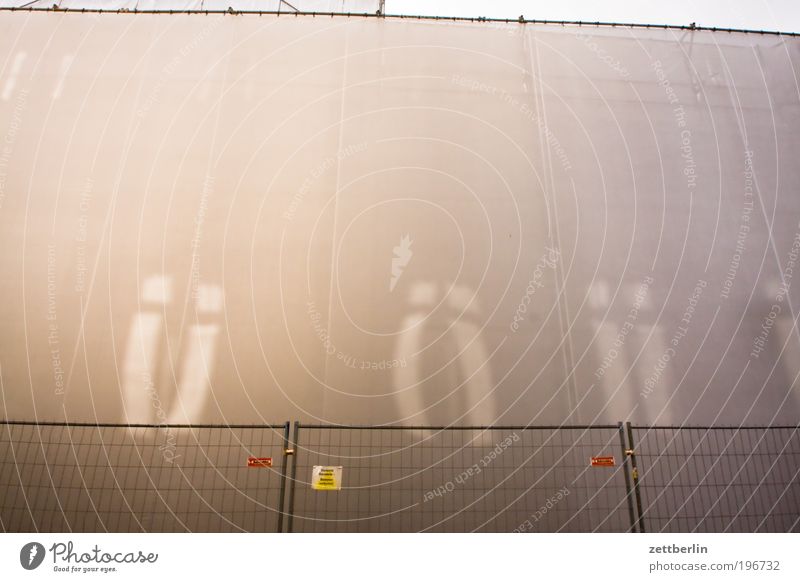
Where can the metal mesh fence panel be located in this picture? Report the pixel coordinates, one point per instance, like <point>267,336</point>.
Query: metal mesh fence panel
<point>79,477</point>
<point>719,479</point>
<point>460,479</point>
<point>131,478</point>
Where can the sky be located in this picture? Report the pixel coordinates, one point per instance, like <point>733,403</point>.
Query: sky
<point>783,15</point>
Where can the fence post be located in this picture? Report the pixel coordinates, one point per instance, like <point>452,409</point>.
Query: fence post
<point>287,452</point>
<point>625,470</point>
<point>631,452</point>
<point>293,478</point>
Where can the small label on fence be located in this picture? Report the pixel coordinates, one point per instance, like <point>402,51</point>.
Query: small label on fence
<point>603,462</point>
<point>259,461</point>
<point>326,478</point>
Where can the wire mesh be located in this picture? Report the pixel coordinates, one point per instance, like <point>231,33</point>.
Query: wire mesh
<point>131,478</point>
<point>719,479</point>
<point>501,479</point>
<point>74,477</point>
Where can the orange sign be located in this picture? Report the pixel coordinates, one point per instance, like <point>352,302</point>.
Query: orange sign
<point>603,462</point>
<point>259,461</point>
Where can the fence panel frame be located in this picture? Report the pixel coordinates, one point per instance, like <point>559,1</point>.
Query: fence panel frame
<point>291,442</point>
<point>618,429</point>
<point>285,451</point>
<point>687,429</point>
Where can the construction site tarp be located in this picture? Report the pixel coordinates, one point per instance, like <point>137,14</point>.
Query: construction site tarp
<point>231,218</point>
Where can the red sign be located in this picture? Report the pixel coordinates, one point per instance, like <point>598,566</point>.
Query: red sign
<point>603,462</point>
<point>259,461</point>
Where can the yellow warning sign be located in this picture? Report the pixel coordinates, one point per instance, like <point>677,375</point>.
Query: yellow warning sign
<point>326,478</point>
